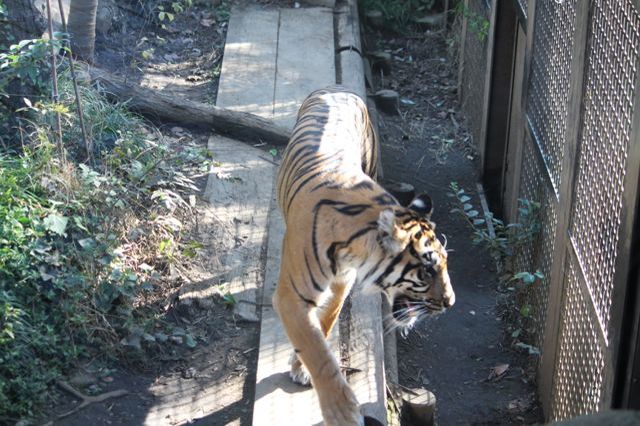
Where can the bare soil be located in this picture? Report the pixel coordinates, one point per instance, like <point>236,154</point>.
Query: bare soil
<point>456,355</point>
<point>463,356</point>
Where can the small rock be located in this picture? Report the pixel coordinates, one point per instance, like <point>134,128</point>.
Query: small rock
<point>387,101</point>
<point>375,19</point>
<point>431,22</point>
<point>82,379</point>
<point>380,62</point>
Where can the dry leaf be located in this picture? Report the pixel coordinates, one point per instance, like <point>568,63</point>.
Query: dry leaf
<point>498,371</point>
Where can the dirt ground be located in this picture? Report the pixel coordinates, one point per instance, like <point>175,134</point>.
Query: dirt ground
<point>455,355</point>
<point>462,356</point>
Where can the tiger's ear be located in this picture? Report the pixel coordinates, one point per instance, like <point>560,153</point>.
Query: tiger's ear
<point>393,238</point>
<point>423,205</point>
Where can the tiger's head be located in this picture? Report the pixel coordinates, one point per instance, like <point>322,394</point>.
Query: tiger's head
<point>416,280</point>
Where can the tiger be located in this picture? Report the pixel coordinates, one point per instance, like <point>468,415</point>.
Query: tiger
<point>342,228</point>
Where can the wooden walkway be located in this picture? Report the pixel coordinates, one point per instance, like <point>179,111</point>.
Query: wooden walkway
<point>273,59</point>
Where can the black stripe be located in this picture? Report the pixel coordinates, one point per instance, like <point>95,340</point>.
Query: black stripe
<point>389,268</point>
<point>331,254</point>
<point>313,280</point>
<point>385,200</point>
<point>352,209</point>
<point>364,185</point>
<point>373,270</point>
<point>305,182</point>
<point>331,251</point>
<point>308,301</point>
<point>409,267</point>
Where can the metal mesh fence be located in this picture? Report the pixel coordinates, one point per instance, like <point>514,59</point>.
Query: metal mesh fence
<point>523,6</point>
<point>578,380</point>
<point>608,106</point>
<point>554,31</point>
<point>475,66</point>
<point>537,255</point>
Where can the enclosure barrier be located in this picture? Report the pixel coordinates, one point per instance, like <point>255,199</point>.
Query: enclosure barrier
<point>561,126</point>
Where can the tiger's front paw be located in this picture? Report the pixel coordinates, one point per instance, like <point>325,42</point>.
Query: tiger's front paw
<point>298,372</point>
<point>341,408</point>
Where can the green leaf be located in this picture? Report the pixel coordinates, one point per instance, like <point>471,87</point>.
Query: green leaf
<point>473,213</point>
<point>478,222</point>
<point>464,198</point>
<point>531,349</point>
<point>229,299</point>
<point>525,311</point>
<point>87,243</point>
<point>190,341</point>
<point>56,223</point>
<point>526,277</point>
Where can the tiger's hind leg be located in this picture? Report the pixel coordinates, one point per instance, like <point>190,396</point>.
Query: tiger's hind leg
<point>328,315</point>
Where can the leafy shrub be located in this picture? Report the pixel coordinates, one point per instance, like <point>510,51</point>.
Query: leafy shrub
<point>85,248</point>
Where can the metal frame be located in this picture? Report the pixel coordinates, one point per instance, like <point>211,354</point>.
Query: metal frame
<point>626,389</point>
<point>499,98</point>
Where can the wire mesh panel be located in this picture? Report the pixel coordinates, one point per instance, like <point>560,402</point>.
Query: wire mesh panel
<point>554,32</point>
<point>608,108</point>
<point>523,7</point>
<point>578,381</point>
<point>475,61</point>
<point>582,378</point>
<point>537,255</point>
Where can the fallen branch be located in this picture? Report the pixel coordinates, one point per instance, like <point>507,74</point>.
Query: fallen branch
<point>158,106</point>
<point>87,399</point>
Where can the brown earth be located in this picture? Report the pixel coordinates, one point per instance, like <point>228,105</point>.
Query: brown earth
<point>463,356</point>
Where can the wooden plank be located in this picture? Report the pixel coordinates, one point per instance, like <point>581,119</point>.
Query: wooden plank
<point>515,144</point>
<point>239,190</point>
<point>366,354</point>
<point>248,72</point>
<point>306,59</point>
<point>352,72</point>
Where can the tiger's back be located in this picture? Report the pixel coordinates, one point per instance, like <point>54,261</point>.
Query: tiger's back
<point>333,140</point>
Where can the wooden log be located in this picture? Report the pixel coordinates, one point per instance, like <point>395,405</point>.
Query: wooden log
<point>158,106</point>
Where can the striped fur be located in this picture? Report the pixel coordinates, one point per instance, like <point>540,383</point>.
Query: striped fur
<point>343,229</point>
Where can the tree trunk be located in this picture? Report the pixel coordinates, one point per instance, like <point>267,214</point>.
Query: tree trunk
<point>82,28</point>
<point>23,21</point>
<point>158,106</point>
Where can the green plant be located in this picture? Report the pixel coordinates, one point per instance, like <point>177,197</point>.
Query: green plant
<point>85,248</point>
<point>476,23</point>
<point>168,11</point>
<point>523,280</point>
<point>28,61</point>
<point>502,240</point>
<point>398,14</point>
